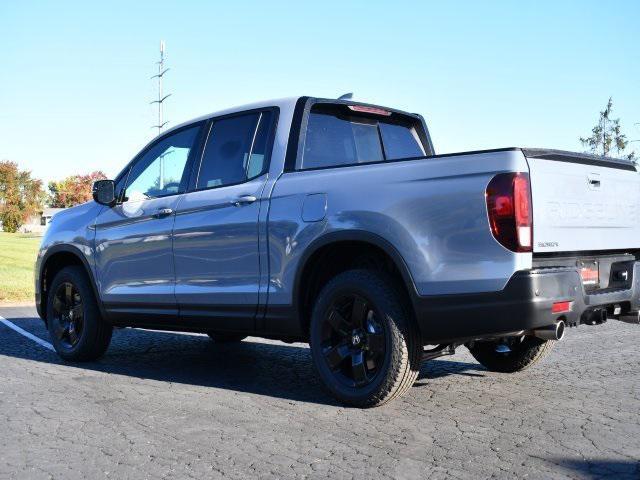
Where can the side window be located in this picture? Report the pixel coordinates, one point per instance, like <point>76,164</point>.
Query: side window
<point>159,172</point>
<point>257,163</point>
<point>235,150</point>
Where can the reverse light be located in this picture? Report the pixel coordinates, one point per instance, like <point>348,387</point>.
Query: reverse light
<point>589,272</point>
<point>365,109</point>
<point>508,198</point>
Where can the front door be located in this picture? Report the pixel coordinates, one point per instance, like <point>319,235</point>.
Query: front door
<point>134,258</point>
<point>215,237</point>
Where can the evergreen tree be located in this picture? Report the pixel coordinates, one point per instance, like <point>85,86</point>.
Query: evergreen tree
<point>607,136</point>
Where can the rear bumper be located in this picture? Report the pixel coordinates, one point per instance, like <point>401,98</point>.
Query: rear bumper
<point>524,304</point>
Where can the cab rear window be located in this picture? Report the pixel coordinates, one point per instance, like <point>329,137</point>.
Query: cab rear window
<point>338,136</point>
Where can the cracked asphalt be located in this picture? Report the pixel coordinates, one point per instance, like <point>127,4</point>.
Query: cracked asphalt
<point>164,405</point>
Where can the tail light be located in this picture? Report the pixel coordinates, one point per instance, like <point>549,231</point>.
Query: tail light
<point>509,206</point>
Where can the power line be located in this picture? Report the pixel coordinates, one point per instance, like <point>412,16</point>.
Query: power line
<point>161,98</point>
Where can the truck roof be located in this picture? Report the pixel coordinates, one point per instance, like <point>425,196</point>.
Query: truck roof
<point>284,104</point>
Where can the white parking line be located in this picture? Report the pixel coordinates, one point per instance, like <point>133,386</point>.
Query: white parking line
<point>171,331</point>
<point>24,333</point>
<point>48,346</point>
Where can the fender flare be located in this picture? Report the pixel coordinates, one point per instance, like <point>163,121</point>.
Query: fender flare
<point>76,252</point>
<point>353,236</point>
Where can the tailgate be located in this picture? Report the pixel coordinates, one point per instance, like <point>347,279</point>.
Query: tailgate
<point>583,202</point>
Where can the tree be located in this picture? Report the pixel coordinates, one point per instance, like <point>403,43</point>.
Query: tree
<point>20,196</point>
<point>607,136</point>
<point>73,190</point>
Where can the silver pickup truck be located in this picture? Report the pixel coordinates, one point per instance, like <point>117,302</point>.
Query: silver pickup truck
<point>335,223</point>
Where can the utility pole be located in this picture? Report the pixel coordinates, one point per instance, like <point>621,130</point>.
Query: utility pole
<point>604,136</point>
<point>161,98</point>
<point>638,139</point>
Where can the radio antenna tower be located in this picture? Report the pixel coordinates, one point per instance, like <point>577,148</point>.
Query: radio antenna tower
<point>161,98</point>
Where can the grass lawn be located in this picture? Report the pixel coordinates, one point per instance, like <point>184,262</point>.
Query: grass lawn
<point>17,258</point>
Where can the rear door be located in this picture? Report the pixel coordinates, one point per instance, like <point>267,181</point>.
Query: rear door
<point>215,236</point>
<point>583,202</point>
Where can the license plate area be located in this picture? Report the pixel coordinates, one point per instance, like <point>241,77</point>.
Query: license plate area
<point>589,273</point>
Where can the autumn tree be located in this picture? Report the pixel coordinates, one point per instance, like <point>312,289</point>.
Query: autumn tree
<point>73,190</point>
<point>20,196</point>
<point>607,137</point>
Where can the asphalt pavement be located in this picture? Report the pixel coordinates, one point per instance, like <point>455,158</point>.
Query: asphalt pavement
<point>166,405</point>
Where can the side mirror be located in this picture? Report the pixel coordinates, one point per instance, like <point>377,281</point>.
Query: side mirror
<point>104,192</point>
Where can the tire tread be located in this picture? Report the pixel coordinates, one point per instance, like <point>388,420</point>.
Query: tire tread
<point>407,347</point>
<point>524,357</point>
<point>96,344</point>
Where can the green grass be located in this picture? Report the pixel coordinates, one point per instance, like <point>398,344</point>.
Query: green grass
<point>17,258</point>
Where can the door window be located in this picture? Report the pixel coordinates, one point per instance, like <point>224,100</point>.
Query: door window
<point>257,163</point>
<point>235,150</point>
<point>160,171</point>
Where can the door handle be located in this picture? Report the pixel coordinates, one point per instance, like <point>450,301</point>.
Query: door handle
<point>163,212</point>
<point>244,200</point>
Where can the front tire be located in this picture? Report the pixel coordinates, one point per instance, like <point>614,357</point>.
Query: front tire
<point>512,354</point>
<point>364,345</point>
<point>78,332</point>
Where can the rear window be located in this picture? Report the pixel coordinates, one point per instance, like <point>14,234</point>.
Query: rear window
<point>400,141</point>
<point>337,136</point>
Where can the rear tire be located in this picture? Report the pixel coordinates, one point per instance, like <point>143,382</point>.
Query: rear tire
<point>226,337</point>
<point>364,345</point>
<point>522,353</point>
<point>78,331</point>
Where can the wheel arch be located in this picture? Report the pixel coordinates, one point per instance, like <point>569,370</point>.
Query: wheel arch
<point>341,244</point>
<point>57,258</point>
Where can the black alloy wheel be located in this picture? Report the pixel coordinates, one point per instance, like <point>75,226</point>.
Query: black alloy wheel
<point>353,341</point>
<point>78,331</point>
<point>364,344</point>
<point>68,315</point>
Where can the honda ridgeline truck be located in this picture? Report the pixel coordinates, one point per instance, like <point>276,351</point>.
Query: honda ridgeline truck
<point>335,223</point>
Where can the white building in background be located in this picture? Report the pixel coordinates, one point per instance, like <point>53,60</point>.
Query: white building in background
<point>39,222</point>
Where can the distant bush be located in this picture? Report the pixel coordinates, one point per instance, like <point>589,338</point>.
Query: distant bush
<point>73,190</point>
<point>21,196</point>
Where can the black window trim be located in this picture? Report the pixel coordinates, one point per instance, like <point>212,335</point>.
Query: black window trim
<point>298,133</point>
<point>381,140</point>
<point>184,182</point>
<point>193,181</point>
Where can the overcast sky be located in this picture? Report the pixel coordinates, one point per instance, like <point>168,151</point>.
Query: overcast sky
<point>75,76</point>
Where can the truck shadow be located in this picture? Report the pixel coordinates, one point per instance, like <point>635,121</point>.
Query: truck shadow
<point>599,468</point>
<point>443,368</point>
<point>252,366</point>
